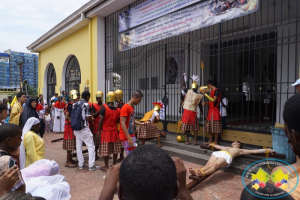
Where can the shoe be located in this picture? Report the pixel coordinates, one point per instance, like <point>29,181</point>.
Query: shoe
<point>83,166</point>
<point>95,167</point>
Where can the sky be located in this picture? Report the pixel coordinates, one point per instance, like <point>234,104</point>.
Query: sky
<point>22,21</point>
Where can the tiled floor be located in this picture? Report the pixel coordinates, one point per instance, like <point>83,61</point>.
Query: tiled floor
<point>86,185</point>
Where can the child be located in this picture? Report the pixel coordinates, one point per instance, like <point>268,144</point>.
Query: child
<point>47,119</point>
<point>223,158</point>
<point>10,140</point>
<point>3,113</point>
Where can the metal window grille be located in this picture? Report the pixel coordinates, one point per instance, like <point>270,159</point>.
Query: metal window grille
<point>51,83</point>
<point>252,59</point>
<point>73,75</point>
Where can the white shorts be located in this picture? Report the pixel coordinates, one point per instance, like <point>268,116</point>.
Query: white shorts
<point>223,154</point>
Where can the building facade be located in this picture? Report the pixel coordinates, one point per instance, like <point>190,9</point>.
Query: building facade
<point>10,70</point>
<point>4,71</point>
<point>253,59</point>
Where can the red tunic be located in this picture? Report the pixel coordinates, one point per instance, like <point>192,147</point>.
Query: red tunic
<point>39,107</point>
<point>59,105</point>
<point>90,122</point>
<point>97,107</point>
<point>68,132</point>
<point>110,128</point>
<point>214,110</point>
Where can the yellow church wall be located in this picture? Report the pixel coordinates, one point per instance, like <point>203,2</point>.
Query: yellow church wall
<point>83,45</point>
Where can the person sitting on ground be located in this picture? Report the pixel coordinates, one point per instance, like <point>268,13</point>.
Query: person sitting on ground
<point>10,140</point>
<point>3,113</point>
<point>291,116</point>
<point>148,130</point>
<point>32,143</point>
<point>147,173</point>
<point>223,158</point>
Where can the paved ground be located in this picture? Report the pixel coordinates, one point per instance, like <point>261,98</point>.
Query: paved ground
<point>86,185</point>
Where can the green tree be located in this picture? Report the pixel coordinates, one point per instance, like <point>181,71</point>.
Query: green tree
<point>31,91</point>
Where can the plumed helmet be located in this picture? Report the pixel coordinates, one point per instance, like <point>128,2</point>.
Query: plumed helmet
<point>158,106</point>
<point>110,97</point>
<point>195,79</point>
<point>99,94</point>
<point>194,85</point>
<point>119,95</point>
<point>74,94</point>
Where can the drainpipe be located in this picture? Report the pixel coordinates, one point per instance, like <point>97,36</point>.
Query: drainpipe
<point>83,17</point>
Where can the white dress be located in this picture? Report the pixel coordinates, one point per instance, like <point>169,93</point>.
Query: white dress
<point>59,124</point>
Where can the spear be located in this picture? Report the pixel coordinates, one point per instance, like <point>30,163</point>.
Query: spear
<point>202,67</point>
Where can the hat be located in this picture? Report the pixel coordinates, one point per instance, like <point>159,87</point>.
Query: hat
<point>296,83</point>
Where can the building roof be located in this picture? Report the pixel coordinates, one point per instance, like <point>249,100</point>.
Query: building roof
<point>77,20</point>
<point>4,55</point>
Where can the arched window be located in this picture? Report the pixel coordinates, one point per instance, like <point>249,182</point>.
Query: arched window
<point>51,83</point>
<point>73,75</point>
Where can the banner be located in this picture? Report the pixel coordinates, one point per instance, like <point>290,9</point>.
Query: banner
<point>186,20</point>
<point>150,10</point>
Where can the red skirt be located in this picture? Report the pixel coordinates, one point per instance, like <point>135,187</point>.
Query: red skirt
<point>189,117</point>
<point>68,132</point>
<point>109,136</point>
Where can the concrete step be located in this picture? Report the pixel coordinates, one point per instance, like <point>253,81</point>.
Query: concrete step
<point>195,154</point>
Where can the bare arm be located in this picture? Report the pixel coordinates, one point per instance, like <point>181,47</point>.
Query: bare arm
<point>89,118</point>
<point>181,104</point>
<point>68,118</point>
<point>124,127</point>
<point>200,107</point>
<point>138,123</point>
<point>100,125</point>
<point>255,151</point>
<point>217,146</point>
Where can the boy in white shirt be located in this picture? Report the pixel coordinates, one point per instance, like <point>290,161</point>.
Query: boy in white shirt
<point>148,130</point>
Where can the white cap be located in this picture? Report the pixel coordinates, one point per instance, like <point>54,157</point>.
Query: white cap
<point>296,83</point>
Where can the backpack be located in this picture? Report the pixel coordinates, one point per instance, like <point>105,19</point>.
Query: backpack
<point>77,122</point>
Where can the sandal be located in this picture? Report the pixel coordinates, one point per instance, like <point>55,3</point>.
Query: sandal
<point>187,143</point>
<point>163,134</point>
<point>196,143</point>
<point>71,165</point>
<point>103,169</point>
<point>74,161</point>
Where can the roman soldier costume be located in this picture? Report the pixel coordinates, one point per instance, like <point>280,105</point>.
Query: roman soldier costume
<point>190,104</point>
